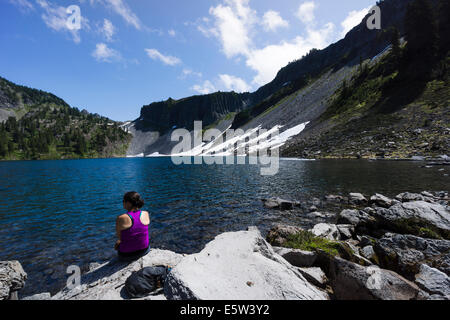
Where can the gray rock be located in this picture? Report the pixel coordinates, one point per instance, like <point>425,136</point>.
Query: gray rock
<point>355,217</point>
<point>12,279</point>
<point>334,198</point>
<point>408,196</point>
<point>346,231</point>
<point>406,253</point>
<point>433,281</point>
<point>326,230</point>
<point>39,296</point>
<point>107,280</point>
<point>416,212</point>
<point>368,252</point>
<point>238,266</point>
<point>366,241</point>
<point>315,276</point>
<point>357,199</point>
<point>278,235</point>
<point>296,257</point>
<point>351,281</point>
<point>381,201</point>
<point>316,202</point>
<point>323,215</point>
<point>427,194</point>
<point>278,203</point>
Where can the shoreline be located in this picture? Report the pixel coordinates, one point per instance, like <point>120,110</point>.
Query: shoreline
<point>443,160</point>
<point>363,229</point>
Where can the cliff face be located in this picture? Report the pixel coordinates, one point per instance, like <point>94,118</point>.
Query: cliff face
<point>163,116</point>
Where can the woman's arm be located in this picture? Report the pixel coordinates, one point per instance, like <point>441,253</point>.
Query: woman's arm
<point>121,224</point>
<point>145,219</point>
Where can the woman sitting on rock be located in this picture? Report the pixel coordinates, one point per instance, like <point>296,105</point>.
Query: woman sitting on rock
<point>132,229</point>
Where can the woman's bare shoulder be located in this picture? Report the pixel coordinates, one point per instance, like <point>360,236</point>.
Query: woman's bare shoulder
<point>123,217</point>
<point>145,217</point>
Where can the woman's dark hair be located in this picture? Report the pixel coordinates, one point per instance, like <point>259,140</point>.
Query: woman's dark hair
<point>134,198</point>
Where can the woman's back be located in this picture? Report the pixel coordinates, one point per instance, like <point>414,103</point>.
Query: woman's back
<point>136,237</point>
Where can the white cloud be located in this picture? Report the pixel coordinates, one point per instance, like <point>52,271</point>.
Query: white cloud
<point>189,72</point>
<point>104,54</point>
<point>205,88</point>
<point>232,25</point>
<point>55,17</point>
<point>168,60</point>
<point>306,12</point>
<point>108,30</point>
<point>122,9</point>
<point>353,19</point>
<point>272,21</point>
<point>270,59</point>
<point>235,25</point>
<point>232,83</point>
<point>23,5</point>
<point>172,33</point>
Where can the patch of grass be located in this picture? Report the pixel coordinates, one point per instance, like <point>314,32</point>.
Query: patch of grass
<point>307,241</point>
<point>419,228</point>
<point>428,233</point>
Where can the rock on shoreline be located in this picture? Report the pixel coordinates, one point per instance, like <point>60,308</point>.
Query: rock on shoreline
<point>12,279</point>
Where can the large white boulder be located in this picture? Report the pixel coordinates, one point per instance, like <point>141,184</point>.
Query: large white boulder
<point>238,266</point>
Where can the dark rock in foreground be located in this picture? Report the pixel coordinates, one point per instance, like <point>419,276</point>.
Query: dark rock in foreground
<point>406,253</point>
<point>351,281</point>
<point>415,217</point>
<point>435,282</point>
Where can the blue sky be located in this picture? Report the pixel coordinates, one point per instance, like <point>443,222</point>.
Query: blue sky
<point>130,53</point>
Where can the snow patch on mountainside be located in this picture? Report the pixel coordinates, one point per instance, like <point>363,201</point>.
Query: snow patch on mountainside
<point>250,141</point>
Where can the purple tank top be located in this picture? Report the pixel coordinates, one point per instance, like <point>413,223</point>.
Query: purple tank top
<point>136,237</point>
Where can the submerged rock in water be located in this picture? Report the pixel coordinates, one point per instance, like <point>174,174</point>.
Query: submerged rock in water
<point>228,264</point>
<point>277,203</point>
<point>12,279</point>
